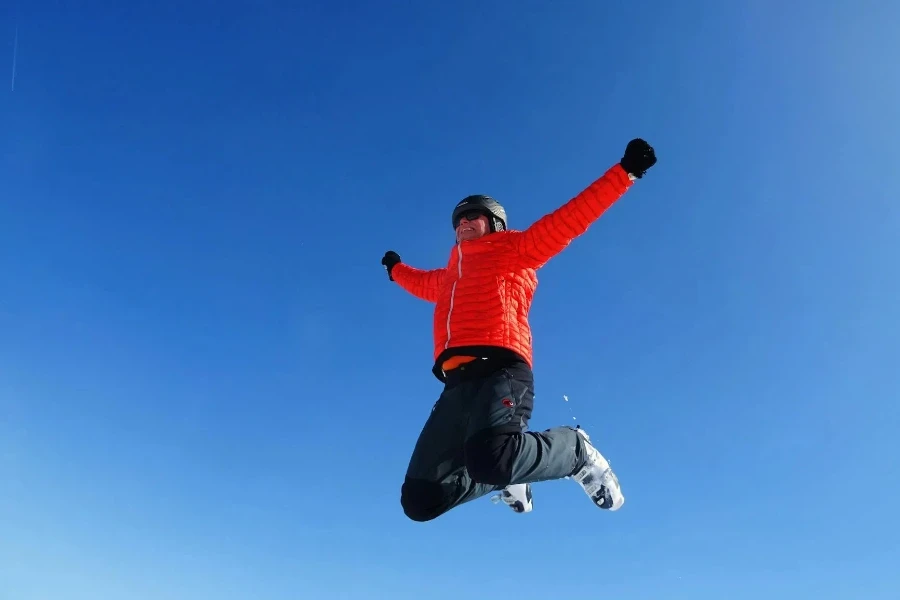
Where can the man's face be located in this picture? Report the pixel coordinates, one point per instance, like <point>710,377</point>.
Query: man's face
<point>472,225</point>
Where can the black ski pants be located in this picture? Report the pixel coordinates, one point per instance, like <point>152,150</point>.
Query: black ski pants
<point>475,441</point>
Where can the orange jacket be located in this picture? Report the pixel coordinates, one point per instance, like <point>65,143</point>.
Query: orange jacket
<point>484,294</point>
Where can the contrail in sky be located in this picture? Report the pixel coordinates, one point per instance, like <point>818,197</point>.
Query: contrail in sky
<point>12,86</point>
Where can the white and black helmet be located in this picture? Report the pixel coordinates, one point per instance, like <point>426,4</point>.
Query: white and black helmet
<point>484,205</point>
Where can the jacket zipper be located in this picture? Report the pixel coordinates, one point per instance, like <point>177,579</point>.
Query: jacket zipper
<point>453,291</point>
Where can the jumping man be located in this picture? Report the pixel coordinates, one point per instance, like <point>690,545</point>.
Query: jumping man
<point>475,440</point>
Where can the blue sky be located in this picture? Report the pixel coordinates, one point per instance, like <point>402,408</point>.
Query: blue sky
<point>209,388</point>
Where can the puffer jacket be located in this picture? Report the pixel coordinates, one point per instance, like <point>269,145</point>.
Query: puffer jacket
<point>484,294</point>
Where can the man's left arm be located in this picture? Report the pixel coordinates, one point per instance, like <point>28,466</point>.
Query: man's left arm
<point>552,233</point>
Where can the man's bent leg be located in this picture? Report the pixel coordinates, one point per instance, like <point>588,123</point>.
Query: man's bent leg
<point>498,449</point>
<point>436,478</point>
<point>502,458</point>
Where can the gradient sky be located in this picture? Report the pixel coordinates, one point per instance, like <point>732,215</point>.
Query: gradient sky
<point>210,389</point>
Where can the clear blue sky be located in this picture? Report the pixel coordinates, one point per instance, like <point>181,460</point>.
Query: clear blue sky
<point>209,388</point>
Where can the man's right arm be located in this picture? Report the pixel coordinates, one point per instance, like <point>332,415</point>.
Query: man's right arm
<point>422,284</point>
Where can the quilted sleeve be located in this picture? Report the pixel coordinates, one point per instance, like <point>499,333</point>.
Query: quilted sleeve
<point>422,284</point>
<point>550,234</point>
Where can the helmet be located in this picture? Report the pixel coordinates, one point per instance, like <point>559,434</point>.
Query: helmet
<point>485,204</point>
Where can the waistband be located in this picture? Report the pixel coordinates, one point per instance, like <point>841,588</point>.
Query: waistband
<point>455,362</point>
<point>475,359</point>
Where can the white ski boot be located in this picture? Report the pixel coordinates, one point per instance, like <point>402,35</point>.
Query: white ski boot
<point>518,497</point>
<point>597,478</point>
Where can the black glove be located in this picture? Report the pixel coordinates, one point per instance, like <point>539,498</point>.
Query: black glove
<point>639,156</point>
<point>390,259</point>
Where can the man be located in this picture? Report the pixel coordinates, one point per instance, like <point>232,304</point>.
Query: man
<point>475,440</point>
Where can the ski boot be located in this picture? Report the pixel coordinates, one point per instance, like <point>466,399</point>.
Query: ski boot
<point>597,477</point>
<point>517,497</point>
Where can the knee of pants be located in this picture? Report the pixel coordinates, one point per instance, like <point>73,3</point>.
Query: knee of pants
<point>423,500</point>
<point>489,457</point>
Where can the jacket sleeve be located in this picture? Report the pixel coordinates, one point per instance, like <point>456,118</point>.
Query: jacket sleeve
<point>421,284</point>
<point>552,233</point>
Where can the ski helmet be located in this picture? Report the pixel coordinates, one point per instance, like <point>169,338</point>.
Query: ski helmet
<point>485,205</point>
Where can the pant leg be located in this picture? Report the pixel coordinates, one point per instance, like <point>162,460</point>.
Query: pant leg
<point>499,450</point>
<point>436,479</point>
